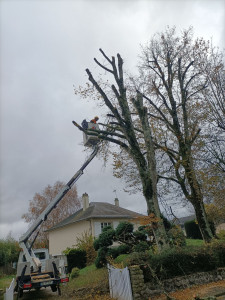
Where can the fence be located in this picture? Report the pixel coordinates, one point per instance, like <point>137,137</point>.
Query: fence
<point>9,292</point>
<point>119,283</point>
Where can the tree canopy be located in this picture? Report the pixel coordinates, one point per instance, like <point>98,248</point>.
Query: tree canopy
<point>163,120</point>
<point>67,206</point>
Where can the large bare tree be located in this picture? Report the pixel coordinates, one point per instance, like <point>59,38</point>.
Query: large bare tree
<point>128,127</point>
<point>173,83</point>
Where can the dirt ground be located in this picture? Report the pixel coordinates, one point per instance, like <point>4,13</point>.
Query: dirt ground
<point>210,289</point>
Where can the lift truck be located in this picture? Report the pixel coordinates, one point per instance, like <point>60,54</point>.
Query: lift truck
<point>35,268</point>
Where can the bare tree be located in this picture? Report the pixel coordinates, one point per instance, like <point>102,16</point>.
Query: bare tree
<point>128,127</point>
<point>68,205</point>
<point>213,67</point>
<point>173,84</point>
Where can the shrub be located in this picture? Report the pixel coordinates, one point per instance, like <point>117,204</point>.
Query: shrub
<point>137,258</point>
<point>85,243</point>
<point>123,249</point>
<point>141,247</point>
<point>9,250</point>
<point>180,262</point>
<point>74,273</point>
<point>140,235</point>
<point>217,249</point>
<point>76,258</point>
<point>105,239</point>
<point>124,228</point>
<point>100,260</point>
<point>176,236</point>
<point>112,252</point>
<point>96,244</point>
<point>122,258</point>
<point>221,235</point>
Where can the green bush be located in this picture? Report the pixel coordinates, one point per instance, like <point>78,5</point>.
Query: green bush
<point>221,235</point>
<point>85,242</point>
<point>217,249</point>
<point>122,258</point>
<point>141,247</point>
<point>96,244</point>
<point>105,239</point>
<point>125,235</point>
<point>76,258</point>
<point>9,251</point>
<point>100,260</point>
<point>74,273</point>
<point>176,236</point>
<point>140,235</point>
<point>123,249</point>
<point>138,258</point>
<point>180,261</point>
<point>124,228</point>
<point>112,252</point>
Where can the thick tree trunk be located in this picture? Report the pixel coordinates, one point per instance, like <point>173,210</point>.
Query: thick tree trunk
<point>202,221</point>
<point>196,198</point>
<point>150,194</point>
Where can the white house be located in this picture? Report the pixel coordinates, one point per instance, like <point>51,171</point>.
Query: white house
<point>92,218</point>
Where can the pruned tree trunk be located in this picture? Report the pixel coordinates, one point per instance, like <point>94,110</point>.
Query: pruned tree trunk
<point>122,132</point>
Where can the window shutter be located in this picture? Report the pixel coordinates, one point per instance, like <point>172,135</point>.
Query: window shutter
<point>115,224</point>
<point>97,229</point>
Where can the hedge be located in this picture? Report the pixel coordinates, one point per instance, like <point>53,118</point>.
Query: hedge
<point>181,261</point>
<point>76,258</point>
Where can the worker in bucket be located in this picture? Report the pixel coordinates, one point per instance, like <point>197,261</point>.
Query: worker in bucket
<point>84,124</point>
<point>95,120</point>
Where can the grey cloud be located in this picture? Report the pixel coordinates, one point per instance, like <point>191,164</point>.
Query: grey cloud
<point>45,48</point>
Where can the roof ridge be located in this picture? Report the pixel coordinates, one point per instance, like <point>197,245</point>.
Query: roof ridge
<point>101,210</point>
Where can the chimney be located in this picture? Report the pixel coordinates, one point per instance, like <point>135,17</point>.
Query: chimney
<point>117,202</point>
<point>85,200</point>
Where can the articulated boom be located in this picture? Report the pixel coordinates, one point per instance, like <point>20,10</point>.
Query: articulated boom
<point>24,244</point>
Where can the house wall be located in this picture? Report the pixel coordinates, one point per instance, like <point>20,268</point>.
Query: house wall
<point>61,238</point>
<point>96,225</point>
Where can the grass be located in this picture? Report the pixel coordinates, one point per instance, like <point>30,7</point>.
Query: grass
<point>194,243</point>
<point>5,281</point>
<point>89,276</point>
<point>91,284</point>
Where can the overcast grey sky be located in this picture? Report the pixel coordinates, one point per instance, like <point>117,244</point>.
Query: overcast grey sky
<point>45,48</point>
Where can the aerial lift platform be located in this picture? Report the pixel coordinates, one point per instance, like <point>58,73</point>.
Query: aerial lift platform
<point>35,268</point>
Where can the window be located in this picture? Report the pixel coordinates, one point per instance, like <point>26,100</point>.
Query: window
<point>40,255</point>
<point>105,224</point>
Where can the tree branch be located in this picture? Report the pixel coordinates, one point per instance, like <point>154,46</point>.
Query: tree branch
<point>103,67</point>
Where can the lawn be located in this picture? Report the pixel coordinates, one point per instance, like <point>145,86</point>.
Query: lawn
<point>90,279</point>
<point>5,281</point>
<point>89,276</point>
<point>195,243</point>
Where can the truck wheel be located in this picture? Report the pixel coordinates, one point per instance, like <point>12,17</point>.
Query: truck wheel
<point>19,293</point>
<point>54,288</point>
<point>59,291</point>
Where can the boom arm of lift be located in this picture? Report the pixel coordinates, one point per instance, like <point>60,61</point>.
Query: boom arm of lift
<point>24,244</point>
